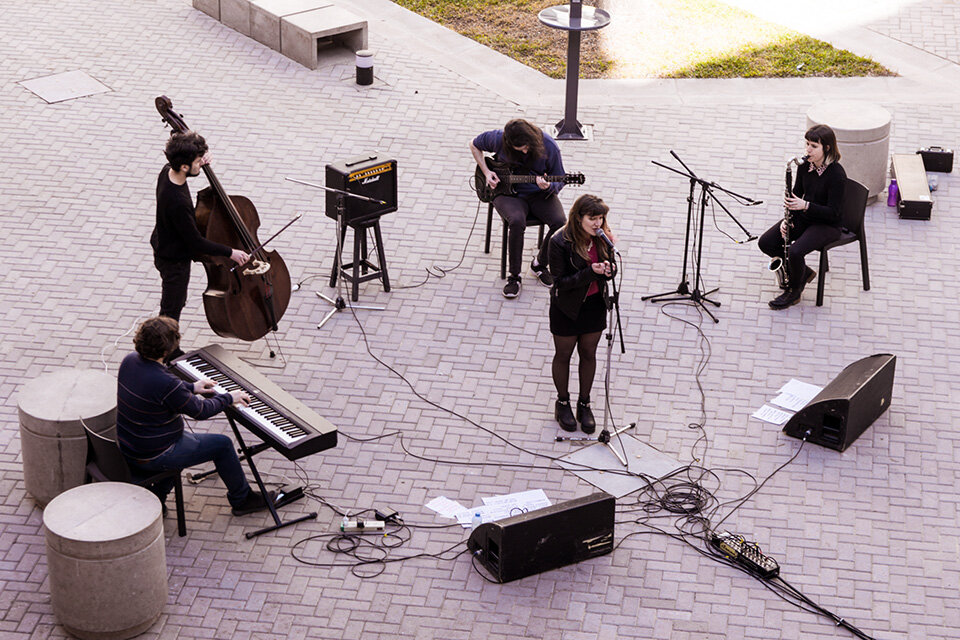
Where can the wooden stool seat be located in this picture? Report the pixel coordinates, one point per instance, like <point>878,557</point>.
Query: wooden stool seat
<point>361,269</point>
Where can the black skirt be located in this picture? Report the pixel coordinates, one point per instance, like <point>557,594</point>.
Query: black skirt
<point>591,319</point>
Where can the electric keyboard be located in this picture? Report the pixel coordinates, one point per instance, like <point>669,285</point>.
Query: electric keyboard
<point>274,416</point>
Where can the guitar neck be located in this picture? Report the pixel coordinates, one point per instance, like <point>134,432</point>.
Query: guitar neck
<point>516,179</point>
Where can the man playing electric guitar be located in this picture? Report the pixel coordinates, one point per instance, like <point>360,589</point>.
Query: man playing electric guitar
<point>526,150</point>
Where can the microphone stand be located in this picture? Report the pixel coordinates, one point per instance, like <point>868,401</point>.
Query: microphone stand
<point>683,291</point>
<point>613,304</point>
<point>339,304</point>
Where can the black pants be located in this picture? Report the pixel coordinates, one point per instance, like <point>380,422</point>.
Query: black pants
<point>175,279</point>
<point>805,240</point>
<point>514,211</point>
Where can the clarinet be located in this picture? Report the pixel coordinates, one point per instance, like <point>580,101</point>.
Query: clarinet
<point>781,266</point>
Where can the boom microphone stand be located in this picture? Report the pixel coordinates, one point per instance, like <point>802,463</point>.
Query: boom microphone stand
<point>613,304</point>
<point>339,304</point>
<point>683,291</point>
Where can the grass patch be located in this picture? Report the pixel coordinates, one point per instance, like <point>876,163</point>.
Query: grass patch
<point>649,38</point>
<point>511,27</point>
<point>799,57</point>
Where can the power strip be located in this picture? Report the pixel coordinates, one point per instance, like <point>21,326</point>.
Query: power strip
<point>358,526</point>
<point>746,554</point>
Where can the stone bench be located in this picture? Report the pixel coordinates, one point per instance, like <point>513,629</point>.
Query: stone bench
<point>52,440</point>
<point>303,34</point>
<point>296,28</point>
<point>265,16</point>
<point>105,558</point>
<point>863,137</point>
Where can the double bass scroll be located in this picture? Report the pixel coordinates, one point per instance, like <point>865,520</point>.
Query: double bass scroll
<point>247,302</point>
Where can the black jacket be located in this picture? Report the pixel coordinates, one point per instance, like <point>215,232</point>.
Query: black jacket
<point>175,236</point>
<point>823,192</point>
<point>572,276</point>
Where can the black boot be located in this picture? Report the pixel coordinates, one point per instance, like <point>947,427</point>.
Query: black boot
<point>564,415</point>
<point>786,299</point>
<point>588,423</point>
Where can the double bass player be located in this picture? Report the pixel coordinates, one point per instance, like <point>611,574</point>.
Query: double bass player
<point>176,240</point>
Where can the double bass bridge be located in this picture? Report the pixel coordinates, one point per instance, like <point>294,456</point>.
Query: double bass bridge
<point>256,268</point>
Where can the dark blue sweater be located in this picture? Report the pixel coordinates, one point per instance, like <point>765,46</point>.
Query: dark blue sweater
<point>550,164</point>
<point>150,401</point>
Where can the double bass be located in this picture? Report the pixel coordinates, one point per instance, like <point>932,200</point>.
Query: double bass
<point>246,301</point>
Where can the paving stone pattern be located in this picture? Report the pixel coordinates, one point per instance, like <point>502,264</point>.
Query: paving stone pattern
<point>929,26</point>
<point>869,534</point>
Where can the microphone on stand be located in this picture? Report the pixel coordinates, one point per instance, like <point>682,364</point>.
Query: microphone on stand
<point>608,241</point>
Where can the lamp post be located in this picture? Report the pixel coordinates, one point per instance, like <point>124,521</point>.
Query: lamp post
<point>573,18</point>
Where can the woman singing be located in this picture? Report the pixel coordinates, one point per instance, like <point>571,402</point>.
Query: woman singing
<point>815,211</point>
<point>580,265</point>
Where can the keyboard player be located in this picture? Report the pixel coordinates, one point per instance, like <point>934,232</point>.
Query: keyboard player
<point>150,404</point>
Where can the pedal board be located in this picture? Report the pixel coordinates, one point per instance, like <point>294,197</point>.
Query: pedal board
<point>286,497</point>
<point>746,554</point>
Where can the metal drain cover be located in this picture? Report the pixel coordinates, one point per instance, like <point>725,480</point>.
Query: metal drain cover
<point>65,86</point>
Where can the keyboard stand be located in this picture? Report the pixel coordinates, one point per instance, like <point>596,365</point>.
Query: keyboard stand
<point>248,453</point>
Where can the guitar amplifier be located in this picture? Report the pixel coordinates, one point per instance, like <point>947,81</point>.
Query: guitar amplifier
<point>369,175</point>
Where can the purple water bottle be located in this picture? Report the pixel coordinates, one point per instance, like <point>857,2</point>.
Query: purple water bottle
<point>892,191</point>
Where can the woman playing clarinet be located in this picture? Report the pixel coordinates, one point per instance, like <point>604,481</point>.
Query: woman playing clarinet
<point>812,213</point>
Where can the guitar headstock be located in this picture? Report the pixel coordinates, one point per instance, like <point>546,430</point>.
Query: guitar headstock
<point>574,178</point>
<point>175,120</point>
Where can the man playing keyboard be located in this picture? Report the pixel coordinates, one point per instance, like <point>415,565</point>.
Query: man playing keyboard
<point>150,401</point>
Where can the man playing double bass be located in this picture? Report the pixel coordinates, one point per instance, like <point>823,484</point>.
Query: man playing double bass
<point>176,240</point>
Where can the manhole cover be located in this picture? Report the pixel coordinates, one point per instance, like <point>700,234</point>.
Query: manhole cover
<point>65,86</point>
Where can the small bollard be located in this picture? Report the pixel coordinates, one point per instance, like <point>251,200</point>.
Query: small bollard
<point>365,67</point>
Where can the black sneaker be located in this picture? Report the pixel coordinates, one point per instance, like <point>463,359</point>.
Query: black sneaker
<point>512,288</point>
<point>588,424</point>
<point>253,503</point>
<point>786,299</point>
<point>542,274</point>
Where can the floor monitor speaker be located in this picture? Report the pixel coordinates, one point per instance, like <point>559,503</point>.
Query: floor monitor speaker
<point>847,406</point>
<point>545,539</point>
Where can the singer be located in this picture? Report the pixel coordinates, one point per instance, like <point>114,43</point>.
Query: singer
<point>814,212</point>
<point>581,263</point>
<point>526,150</point>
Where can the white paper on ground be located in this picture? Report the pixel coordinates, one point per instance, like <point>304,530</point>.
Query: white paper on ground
<point>772,414</point>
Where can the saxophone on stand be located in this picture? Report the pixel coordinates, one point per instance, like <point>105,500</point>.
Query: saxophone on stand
<point>781,266</point>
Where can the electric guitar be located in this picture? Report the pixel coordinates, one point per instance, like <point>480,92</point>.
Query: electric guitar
<point>508,179</point>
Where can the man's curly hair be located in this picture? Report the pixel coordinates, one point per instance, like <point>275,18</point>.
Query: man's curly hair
<point>157,337</point>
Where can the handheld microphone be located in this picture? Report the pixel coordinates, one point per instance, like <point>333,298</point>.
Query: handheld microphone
<point>608,241</point>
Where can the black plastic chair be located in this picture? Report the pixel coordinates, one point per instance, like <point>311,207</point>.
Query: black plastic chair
<point>105,463</point>
<point>853,209</point>
<point>531,220</point>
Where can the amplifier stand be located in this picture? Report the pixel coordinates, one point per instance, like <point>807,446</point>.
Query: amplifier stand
<point>361,269</point>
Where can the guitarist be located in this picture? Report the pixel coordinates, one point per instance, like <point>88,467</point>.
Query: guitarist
<point>526,150</point>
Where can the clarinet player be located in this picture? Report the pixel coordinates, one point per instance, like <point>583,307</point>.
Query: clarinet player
<point>812,214</point>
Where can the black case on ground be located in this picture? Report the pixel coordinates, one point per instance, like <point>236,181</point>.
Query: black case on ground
<point>937,159</point>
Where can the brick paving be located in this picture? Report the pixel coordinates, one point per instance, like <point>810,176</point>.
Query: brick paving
<point>928,26</point>
<point>869,534</point>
